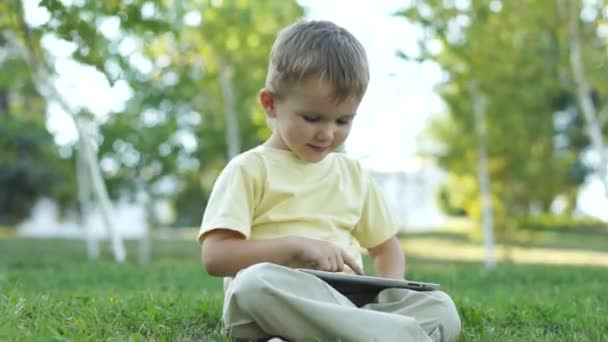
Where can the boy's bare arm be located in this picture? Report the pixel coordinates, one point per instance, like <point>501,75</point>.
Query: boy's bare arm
<point>225,252</point>
<point>389,259</point>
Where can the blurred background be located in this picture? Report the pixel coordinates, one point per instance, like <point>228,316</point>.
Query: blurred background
<point>118,115</point>
<point>485,123</point>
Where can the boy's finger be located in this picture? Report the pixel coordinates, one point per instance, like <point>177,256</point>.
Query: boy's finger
<point>332,264</point>
<point>324,265</point>
<point>340,263</point>
<point>351,263</point>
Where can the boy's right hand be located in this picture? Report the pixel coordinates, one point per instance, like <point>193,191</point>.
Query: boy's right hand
<point>323,256</point>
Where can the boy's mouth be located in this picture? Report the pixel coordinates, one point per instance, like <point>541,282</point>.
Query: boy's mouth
<point>318,148</point>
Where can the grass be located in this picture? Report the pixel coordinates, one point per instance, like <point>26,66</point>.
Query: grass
<point>49,291</point>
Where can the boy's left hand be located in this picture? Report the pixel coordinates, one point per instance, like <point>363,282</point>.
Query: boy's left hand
<point>389,259</point>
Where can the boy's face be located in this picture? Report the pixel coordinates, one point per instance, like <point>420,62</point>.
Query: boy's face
<point>308,121</point>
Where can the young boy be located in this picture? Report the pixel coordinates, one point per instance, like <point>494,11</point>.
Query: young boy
<point>294,203</point>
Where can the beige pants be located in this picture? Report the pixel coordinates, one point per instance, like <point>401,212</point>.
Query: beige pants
<point>270,300</point>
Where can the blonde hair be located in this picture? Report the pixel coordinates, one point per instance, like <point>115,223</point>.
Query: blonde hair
<point>318,49</point>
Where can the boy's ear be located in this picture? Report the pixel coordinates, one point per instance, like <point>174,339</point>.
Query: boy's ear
<point>267,100</point>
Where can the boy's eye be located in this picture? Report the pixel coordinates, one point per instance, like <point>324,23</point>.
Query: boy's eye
<point>310,118</point>
<point>343,122</point>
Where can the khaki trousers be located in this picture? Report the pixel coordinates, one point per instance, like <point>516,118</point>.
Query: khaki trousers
<point>270,300</point>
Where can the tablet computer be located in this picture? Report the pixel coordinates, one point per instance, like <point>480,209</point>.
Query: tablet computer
<point>351,283</point>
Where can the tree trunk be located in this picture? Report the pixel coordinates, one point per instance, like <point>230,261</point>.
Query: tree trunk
<point>145,242</point>
<point>84,197</point>
<point>4,105</point>
<point>232,123</point>
<point>145,247</point>
<point>487,215</point>
<point>100,191</point>
<point>571,10</point>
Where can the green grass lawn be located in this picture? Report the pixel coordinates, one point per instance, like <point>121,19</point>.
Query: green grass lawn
<point>49,291</point>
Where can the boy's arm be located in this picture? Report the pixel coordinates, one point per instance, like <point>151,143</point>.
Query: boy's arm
<point>389,259</point>
<point>226,252</point>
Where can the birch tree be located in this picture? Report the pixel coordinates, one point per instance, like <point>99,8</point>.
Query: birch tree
<point>193,70</point>
<point>485,192</point>
<point>515,52</point>
<point>92,172</point>
<point>571,11</point>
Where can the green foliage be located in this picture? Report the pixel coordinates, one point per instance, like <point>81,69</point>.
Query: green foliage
<point>30,168</point>
<point>183,94</point>
<point>518,54</point>
<point>30,164</point>
<point>49,291</point>
<point>181,99</point>
<point>564,223</point>
<point>170,136</point>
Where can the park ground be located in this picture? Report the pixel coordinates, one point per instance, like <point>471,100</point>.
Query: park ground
<point>548,286</point>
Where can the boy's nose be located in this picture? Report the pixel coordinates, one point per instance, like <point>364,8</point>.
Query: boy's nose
<point>325,134</point>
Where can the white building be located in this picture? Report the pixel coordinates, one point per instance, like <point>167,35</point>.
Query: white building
<point>413,193</point>
<point>44,222</point>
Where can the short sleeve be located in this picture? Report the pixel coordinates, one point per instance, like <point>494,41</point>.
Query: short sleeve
<point>232,201</point>
<point>378,221</point>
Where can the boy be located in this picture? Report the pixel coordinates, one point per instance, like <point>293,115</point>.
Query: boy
<point>293,203</point>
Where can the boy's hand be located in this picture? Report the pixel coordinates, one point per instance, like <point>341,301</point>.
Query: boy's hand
<point>323,256</point>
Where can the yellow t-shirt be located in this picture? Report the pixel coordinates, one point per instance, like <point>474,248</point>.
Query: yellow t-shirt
<point>268,193</point>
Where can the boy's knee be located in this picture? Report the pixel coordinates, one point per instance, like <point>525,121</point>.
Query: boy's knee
<point>250,278</point>
<point>252,282</point>
<point>448,317</point>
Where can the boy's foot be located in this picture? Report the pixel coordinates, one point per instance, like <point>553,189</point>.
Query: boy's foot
<point>277,339</point>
